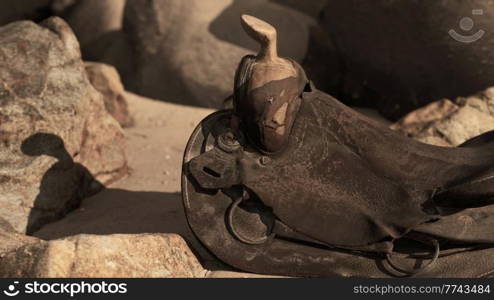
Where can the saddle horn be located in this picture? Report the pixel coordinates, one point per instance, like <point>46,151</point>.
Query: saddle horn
<point>264,34</point>
<point>267,89</point>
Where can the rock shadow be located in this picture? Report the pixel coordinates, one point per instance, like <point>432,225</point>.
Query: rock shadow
<point>115,211</point>
<point>119,211</point>
<point>64,184</point>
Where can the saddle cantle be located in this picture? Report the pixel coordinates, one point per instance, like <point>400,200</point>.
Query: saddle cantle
<point>293,182</point>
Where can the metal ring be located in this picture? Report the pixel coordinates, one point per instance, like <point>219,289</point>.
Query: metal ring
<point>419,270</point>
<point>228,144</point>
<point>239,236</point>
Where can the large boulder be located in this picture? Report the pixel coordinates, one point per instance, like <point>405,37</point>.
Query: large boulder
<point>400,56</point>
<point>187,51</point>
<point>55,133</point>
<point>447,123</point>
<point>97,256</point>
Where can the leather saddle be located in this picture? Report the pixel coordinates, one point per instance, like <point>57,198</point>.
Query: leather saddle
<point>292,182</point>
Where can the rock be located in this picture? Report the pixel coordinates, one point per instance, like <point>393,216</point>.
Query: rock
<point>483,101</point>
<point>105,16</point>
<point>106,80</point>
<point>112,49</point>
<point>14,10</point>
<point>6,226</point>
<point>187,51</point>
<point>101,39</point>
<point>102,149</point>
<point>457,128</point>
<point>55,133</point>
<point>96,256</point>
<point>10,241</point>
<point>447,123</point>
<point>418,120</point>
<point>399,56</point>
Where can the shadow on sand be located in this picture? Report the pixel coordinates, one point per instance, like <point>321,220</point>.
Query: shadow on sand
<point>59,210</point>
<point>64,184</point>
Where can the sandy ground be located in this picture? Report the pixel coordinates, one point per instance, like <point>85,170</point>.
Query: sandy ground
<point>148,200</point>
